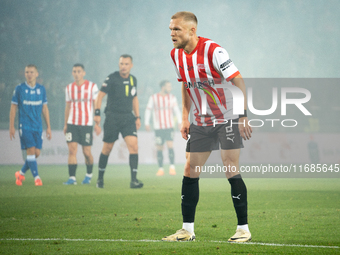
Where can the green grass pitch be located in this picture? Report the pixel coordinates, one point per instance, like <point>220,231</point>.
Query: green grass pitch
<point>286,216</point>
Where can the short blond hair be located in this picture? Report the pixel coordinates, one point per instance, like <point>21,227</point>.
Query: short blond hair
<point>186,16</point>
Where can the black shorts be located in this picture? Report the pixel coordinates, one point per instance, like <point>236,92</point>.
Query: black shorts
<point>224,136</point>
<point>119,123</point>
<point>79,134</point>
<point>163,135</point>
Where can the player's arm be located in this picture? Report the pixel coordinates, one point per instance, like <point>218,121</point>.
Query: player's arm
<point>12,114</point>
<point>186,104</point>
<point>46,115</point>
<point>97,106</point>
<point>67,114</point>
<point>135,108</point>
<point>245,129</point>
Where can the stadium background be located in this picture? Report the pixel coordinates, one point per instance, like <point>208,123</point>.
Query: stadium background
<point>266,39</point>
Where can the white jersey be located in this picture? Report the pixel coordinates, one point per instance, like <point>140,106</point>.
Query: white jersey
<point>82,102</point>
<point>202,72</point>
<point>163,109</point>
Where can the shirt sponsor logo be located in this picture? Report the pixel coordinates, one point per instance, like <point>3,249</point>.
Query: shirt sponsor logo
<point>104,84</point>
<point>32,102</point>
<point>226,64</point>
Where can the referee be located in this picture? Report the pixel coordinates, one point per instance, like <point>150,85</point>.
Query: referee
<point>122,116</point>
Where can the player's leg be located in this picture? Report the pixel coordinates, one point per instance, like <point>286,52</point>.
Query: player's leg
<point>111,133</point>
<point>132,145</point>
<point>159,148</point>
<point>170,145</point>
<point>72,163</point>
<point>189,196</point>
<point>86,142</point>
<point>89,164</point>
<point>231,142</point>
<point>103,159</point>
<point>32,154</point>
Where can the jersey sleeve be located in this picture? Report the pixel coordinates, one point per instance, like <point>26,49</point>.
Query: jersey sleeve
<point>67,96</point>
<point>94,91</point>
<point>44,95</point>
<point>15,97</point>
<point>174,58</point>
<point>223,64</point>
<point>105,85</point>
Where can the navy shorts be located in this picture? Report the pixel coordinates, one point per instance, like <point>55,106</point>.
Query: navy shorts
<point>163,135</point>
<point>119,123</point>
<point>79,134</point>
<point>222,136</point>
<point>29,139</point>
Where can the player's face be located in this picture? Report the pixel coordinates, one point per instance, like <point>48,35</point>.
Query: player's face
<point>31,75</point>
<point>78,73</point>
<point>180,33</point>
<point>167,88</point>
<point>125,65</point>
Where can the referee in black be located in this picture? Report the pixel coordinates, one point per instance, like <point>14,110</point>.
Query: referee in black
<point>122,116</point>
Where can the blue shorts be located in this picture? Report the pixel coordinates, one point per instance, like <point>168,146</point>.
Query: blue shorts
<point>29,139</point>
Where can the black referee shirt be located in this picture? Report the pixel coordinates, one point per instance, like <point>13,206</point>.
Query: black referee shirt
<point>120,93</point>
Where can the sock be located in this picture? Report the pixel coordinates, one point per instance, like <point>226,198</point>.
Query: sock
<point>133,161</point>
<point>32,164</point>
<point>188,227</point>
<point>24,168</point>
<point>190,196</point>
<point>171,156</point>
<point>89,169</point>
<point>160,158</point>
<point>244,227</point>
<point>239,197</point>
<point>102,165</point>
<point>72,170</point>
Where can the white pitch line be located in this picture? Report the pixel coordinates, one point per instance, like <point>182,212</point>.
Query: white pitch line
<point>156,241</point>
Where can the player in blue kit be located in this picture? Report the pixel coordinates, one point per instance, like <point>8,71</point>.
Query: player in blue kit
<point>30,99</point>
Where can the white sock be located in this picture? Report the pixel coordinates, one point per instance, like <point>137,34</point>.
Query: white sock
<point>89,175</point>
<point>188,226</point>
<point>37,177</point>
<point>244,227</point>
<point>22,173</point>
<point>73,178</point>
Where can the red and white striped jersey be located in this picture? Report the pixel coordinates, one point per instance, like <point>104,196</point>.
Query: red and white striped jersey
<point>82,102</point>
<point>163,108</point>
<point>205,67</point>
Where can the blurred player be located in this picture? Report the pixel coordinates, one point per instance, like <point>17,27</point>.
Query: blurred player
<point>30,99</point>
<point>163,106</point>
<point>122,116</point>
<point>201,64</point>
<point>80,96</point>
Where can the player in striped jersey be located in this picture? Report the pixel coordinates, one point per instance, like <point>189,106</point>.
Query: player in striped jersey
<point>163,106</point>
<point>204,68</point>
<point>30,99</point>
<point>80,96</point>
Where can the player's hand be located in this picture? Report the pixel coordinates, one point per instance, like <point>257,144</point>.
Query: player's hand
<point>97,119</point>
<point>147,128</point>
<point>138,124</point>
<point>97,129</point>
<point>244,128</point>
<point>49,133</point>
<point>12,133</point>
<point>185,129</point>
<point>65,129</point>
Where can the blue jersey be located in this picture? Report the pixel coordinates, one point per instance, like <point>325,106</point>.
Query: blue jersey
<point>30,102</point>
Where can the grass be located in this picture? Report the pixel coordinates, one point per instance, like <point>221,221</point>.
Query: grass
<point>281,211</point>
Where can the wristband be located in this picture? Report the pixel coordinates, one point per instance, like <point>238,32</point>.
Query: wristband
<point>243,115</point>
<point>97,112</point>
<point>138,117</point>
